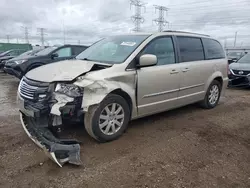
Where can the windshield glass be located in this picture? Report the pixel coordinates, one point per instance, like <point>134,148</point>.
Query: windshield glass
<point>112,50</point>
<point>237,54</point>
<point>26,53</point>
<point>5,53</point>
<point>245,59</point>
<point>46,51</point>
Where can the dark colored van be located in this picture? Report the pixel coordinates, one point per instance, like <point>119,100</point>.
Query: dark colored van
<point>20,67</point>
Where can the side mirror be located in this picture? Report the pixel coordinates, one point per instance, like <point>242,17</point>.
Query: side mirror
<point>147,60</point>
<point>54,55</point>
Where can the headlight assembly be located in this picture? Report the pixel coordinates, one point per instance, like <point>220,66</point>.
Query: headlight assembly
<point>20,61</point>
<point>70,90</point>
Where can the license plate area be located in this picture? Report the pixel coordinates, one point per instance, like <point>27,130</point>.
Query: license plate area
<point>21,104</point>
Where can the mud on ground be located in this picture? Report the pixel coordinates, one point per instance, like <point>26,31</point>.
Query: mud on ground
<point>187,147</point>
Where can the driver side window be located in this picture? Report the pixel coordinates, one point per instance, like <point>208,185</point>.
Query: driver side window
<point>64,52</point>
<point>163,49</point>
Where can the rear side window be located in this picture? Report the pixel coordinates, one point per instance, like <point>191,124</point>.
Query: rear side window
<point>191,49</point>
<point>213,49</point>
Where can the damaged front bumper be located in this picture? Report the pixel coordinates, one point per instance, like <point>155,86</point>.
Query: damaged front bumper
<point>61,151</point>
<point>238,81</point>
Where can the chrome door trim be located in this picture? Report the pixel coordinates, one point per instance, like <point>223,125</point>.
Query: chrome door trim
<point>190,87</point>
<point>160,93</point>
<point>158,102</point>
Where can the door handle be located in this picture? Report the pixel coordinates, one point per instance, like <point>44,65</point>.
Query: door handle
<point>174,71</point>
<point>185,69</point>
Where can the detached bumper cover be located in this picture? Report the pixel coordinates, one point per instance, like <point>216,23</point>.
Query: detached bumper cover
<point>59,150</point>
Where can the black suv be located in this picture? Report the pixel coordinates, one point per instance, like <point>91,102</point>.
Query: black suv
<point>20,67</point>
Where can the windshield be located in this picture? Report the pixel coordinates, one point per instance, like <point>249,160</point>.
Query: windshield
<point>112,50</point>
<point>245,59</point>
<point>5,53</point>
<point>46,51</point>
<point>26,53</point>
<point>236,54</point>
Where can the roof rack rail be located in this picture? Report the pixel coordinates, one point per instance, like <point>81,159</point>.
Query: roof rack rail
<point>186,32</point>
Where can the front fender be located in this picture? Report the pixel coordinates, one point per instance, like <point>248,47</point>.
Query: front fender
<point>96,90</point>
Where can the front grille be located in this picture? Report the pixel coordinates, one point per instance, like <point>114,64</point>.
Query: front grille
<point>241,72</point>
<point>29,89</point>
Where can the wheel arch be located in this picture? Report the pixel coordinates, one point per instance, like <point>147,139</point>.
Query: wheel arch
<point>34,65</point>
<point>215,76</point>
<point>125,96</point>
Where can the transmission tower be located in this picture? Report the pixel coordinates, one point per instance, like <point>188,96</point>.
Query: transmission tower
<point>26,33</point>
<point>160,21</point>
<point>137,18</point>
<point>41,31</point>
<point>8,38</point>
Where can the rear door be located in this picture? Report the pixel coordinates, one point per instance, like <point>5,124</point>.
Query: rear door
<point>158,85</point>
<point>194,70</point>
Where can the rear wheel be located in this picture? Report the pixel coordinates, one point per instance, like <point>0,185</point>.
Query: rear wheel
<point>212,96</point>
<point>108,120</point>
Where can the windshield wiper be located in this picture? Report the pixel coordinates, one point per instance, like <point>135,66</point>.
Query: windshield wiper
<point>87,59</point>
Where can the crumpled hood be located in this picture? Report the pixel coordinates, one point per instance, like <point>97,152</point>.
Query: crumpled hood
<point>60,71</point>
<point>240,66</point>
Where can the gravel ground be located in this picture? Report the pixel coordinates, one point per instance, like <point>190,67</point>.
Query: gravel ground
<point>187,147</point>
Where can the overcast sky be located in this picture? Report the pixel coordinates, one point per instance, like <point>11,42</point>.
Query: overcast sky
<point>86,21</point>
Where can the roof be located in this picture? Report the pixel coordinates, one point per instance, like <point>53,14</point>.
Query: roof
<point>170,32</point>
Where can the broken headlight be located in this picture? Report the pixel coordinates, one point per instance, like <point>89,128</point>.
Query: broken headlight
<point>70,90</point>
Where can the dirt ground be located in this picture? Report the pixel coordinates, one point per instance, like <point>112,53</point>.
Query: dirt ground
<point>187,147</point>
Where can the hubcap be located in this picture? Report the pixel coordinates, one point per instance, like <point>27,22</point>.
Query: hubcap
<point>111,118</point>
<point>213,94</point>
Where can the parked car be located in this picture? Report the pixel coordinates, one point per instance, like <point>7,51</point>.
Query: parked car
<point>234,56</point>
<point>20,67</point>
<point>20,57</point>
<point>239,72</point>
<point>118,79</point>
<point>9,55</point>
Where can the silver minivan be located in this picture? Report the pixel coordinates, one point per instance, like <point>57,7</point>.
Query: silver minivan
<point>118,79</point>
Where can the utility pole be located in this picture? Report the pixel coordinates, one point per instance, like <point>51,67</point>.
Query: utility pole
<point>79,42</point>
<point>235,38</point>
<point>137,18</point>
<point>41,31</point>
<point>17,40</point>
<point>160,21</point>
<point>8,38</point>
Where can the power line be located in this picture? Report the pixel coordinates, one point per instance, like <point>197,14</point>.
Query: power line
<point>137,18</point>
<point>160,21</point>
<point>41,31</point>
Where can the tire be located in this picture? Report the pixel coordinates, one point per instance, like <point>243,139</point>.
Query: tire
<point>207,103</point>
<point>95,125</point>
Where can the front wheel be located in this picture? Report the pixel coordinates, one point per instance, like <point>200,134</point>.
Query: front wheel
<point>108,120</point>
<point>212,96</point>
